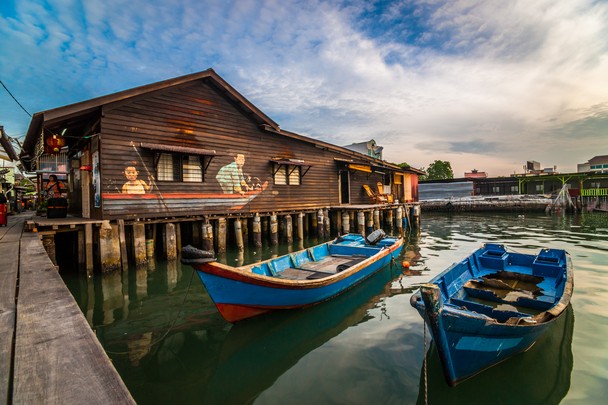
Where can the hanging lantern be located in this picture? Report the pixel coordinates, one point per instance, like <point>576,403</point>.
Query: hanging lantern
<point>54,143</point>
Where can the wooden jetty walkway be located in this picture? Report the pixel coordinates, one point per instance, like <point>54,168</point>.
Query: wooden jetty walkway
<point>48,352</point>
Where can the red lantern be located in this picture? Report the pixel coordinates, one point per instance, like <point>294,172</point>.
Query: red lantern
<point>54,144</point>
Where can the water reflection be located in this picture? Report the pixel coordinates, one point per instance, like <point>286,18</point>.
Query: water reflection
<point>539,376</point>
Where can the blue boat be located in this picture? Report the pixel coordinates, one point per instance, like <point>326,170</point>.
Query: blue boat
<point>295,280</point>
<point>493,305</point>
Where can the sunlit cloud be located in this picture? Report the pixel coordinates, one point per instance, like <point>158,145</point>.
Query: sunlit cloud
<point>478,83</point>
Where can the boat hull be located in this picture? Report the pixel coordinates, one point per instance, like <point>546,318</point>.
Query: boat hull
<point>478,319</point>
<point>239,294</point>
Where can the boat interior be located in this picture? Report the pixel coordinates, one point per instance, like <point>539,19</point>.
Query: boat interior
<point>505,285</point>
<point>322,260</point>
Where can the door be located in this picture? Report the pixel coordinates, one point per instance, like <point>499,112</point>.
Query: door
<point>344,187</point>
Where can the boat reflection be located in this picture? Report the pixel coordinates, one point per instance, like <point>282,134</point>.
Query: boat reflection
<point>539,376</point>
<point>256,352</point>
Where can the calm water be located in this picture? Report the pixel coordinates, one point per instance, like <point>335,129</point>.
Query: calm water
<point>364,347</point>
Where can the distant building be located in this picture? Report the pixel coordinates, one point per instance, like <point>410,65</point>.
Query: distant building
<point>598,164</point>
<point>369,148</point>
<point>475,174</point>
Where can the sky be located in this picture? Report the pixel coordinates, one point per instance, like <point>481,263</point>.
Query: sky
<point>485,85</point>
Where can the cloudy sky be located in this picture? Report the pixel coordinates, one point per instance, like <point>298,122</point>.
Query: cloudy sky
<point>484,85</point>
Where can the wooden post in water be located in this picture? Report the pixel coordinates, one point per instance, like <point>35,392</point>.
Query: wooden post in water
<point>361,222</point>
<point>376,219</point>
<point>389,219</point>
<point>139,244</point>
<point>170,241</point>
<point>238,235</point>
<point>257,231</point>
<point>314,223</point>
<point>288,229</point>
<point>305,224</point>
<point>124,259</point>
<point>207,237</point>
<point>327,222</point>
<point>320,224</point>
<point>245,229</point>
<point>109,247</point>
<point>369,222</point>
<point>221,235</point>
<point>88,247</point>
<point>274,230</point>
<point>345,222</point>
<point>300,226</point>
<point>399,220</point>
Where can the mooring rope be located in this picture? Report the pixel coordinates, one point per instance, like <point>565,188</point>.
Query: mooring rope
<point>172,324</point>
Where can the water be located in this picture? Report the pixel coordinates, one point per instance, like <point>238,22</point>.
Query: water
<point>170,345</point>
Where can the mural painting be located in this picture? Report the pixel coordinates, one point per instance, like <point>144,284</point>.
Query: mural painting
<point>232,192</point>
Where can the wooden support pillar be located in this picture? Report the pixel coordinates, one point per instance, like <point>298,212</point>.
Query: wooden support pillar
<point>48,241</point>
<point>345,222</point>
<point>399,220</point>
<point>207,237</point>
<point>221,235</point>
<point>389,218</point>
<point>288,229</point>
<point>369,222</point>
<point>238,234</point>
<point>245,231</point>
<point>327,223</point>
<point>300,226</point>
<point>124,259</point>
<point>139,244</point>
<point>197,233</point>
<point>361,222</point>
<point>320,225</point>
<point>314,223</point>
<point>109,247</point>
<point>274,230</point>
<point>88,248</point>
<point>82,260</point>
<point>257,231</point>
<point>305,224</point>
<point>265,230</point>
<point>170,241</point>
<point>376,219</point>
<point>178,238</point>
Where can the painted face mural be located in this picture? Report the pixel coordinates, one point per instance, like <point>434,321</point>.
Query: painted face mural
<point>133,185</point>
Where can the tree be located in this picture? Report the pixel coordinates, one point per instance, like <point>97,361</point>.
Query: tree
<point>403,165</point>
<point>439,170</point>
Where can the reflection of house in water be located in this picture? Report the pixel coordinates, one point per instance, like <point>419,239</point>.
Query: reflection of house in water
<point>168,141</point>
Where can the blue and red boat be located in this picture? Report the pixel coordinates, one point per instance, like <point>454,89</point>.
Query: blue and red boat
<point>295,280</point>
<point>493,305</point>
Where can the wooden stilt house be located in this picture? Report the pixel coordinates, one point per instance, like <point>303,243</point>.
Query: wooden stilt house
<point>193,145</point>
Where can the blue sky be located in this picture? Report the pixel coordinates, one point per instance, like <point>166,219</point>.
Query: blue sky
<point>485,85</point>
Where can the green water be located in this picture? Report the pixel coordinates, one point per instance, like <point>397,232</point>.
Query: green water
<point>366,346</point>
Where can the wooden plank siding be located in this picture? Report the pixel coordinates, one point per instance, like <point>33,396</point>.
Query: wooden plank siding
<point>195,115</point>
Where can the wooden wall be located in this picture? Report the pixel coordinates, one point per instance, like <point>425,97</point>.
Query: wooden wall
<point>196,115</point>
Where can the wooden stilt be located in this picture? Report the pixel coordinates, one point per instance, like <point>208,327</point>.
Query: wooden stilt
<point>221,235</point>
<point>345,222</point>
<point>288,228</point>
<point>327,223</point>
<point>257,232</point>
<point>320,225</point>
<point>109,247</point>
<point>124,260</point>
<point>207,237</point>
<point>274,230</point>
<point>139,244</point>
<point>361,222</point>
<point>170,241</point>
<point>238,235</point>
<point>399,220</point>
<point>88,246</point>
<point>389,219</point>
<point>265,229</point>
<point>369,222</point>
<point>300,226</point>
<point>376,219</point>
<point>82,258</point>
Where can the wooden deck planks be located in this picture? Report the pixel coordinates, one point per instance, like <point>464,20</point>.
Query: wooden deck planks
<point>9,266</point>
<point>58,359</point>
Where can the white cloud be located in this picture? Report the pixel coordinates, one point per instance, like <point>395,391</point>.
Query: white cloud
<point>479,83</point>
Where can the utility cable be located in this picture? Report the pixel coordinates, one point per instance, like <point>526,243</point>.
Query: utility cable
<point>16,101</point>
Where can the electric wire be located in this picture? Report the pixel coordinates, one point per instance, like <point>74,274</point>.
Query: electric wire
<point>14,98</point>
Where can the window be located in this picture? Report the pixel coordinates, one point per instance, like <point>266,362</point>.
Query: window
<point>285,174</point>
<point>514,189</point>
<point>496,189</point>
<point>539,187</point>
<point>177,167</point>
